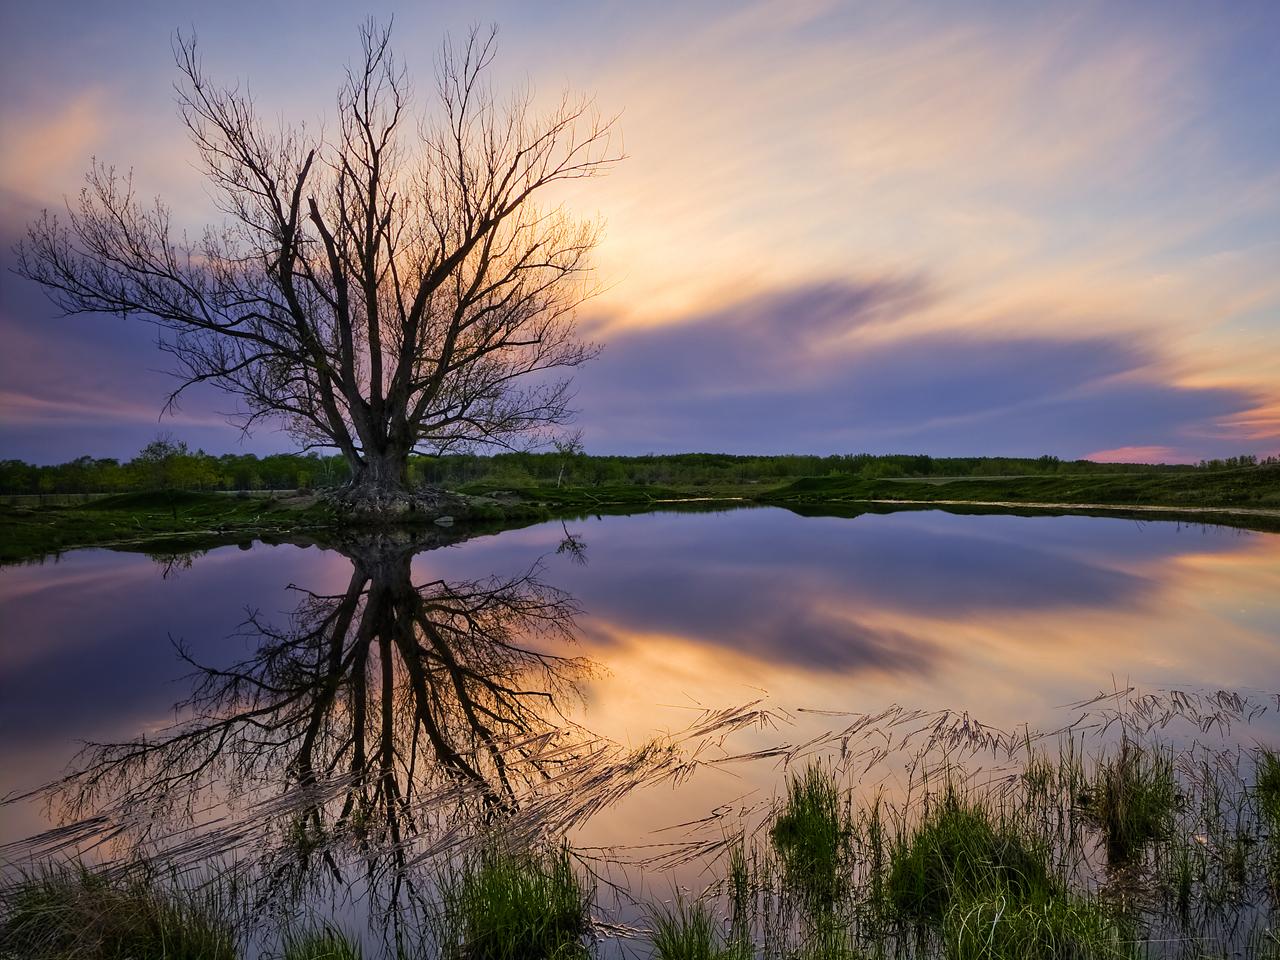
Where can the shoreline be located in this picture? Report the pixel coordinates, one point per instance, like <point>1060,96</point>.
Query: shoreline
<point>196,522</point>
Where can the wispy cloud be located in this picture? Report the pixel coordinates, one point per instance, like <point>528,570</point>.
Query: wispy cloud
<point>790,372</point>
<point>1092,192</point>
<point>75,409</point>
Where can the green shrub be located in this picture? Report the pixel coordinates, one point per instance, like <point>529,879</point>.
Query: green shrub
<point>688,931</point>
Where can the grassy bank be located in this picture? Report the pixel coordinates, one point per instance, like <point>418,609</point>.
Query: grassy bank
<point>1249,487</point>
<point>1247,497</point>
<point>176,519</point>
<point>173,522</point>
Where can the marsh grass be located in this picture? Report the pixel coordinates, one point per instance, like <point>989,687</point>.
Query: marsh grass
<point>1266,795</point>
<point>1014,846</point>
<point>812,835</point>
<point>962,851</point>
<point>967,843</point>
<point>326,942</point>
<point>515,904</point>
<point>1003,926</point>
<point>1133,799</point>
<point>688,930</point>
<point>1266,788</point>
<point>73,911</point>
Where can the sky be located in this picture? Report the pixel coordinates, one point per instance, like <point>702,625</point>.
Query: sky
<point>924,227</point>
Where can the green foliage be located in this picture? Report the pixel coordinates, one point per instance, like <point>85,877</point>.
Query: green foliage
<point>166,464</point>
<point>811,835</point>
<point>1133,799</point>
<point>961,852</point>
<point>516,905</point>
<point>73,912</point>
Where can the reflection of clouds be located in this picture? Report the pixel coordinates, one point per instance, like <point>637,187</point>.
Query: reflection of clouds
<point>1007,616</point>
<point>91,632</point>
<point>922,606</point>
<point>804,630</point>
<point>872,596</point>
<point>971,600</point>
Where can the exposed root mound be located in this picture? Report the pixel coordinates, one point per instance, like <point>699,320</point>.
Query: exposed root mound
<point>379,504</point>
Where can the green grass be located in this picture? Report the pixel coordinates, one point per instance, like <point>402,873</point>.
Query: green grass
<point>324,943</point>
<point>985,887</point>
<point>603,495</point>
<point>1001,926</point>
<point>1133,799</point>
<point>812,836</point>
<point>516,905</point>
<point>1257,487</point>
<point>73,912</point>
<point>28,532</point>
<point>1266,787</point>
<point>1266,793</point>
<point>960,852</point>
<point>184,522</point>
<point>827,942</point>
<point>688,930</point>
<point>174,520</point>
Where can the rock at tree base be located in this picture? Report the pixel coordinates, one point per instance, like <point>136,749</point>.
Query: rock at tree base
<point>380,505</point>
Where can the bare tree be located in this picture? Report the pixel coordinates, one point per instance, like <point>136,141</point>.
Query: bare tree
<point>382,291</point>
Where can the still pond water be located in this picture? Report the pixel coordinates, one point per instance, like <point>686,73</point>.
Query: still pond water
<point>509,660</point>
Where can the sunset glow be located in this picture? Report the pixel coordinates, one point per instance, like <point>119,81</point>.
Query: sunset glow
<point>840,227</point>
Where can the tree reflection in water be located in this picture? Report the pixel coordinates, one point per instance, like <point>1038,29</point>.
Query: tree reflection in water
<point>382,728</point>
<point>378,711</point>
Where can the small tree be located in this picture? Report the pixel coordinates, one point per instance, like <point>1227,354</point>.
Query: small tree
<point>389,289</point>
<point>159,463</point>
<point>570,449</point>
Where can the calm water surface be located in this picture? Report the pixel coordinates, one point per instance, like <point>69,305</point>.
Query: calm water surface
<point>627,633</point>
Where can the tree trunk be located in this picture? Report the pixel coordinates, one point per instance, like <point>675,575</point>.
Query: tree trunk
<point>384,472</point>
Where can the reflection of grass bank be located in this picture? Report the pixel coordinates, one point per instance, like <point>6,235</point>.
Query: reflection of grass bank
<point>176,520</point>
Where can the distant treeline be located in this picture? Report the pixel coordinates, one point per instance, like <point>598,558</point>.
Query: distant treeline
<point>166,464</point>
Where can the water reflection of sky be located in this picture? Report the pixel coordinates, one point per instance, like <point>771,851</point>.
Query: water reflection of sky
<point>1007,617</point>
<point>1002,615</point>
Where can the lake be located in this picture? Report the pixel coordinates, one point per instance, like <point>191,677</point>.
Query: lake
<point>639,683</point>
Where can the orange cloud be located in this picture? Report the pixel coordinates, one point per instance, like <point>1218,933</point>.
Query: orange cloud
<point>43,155</point>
